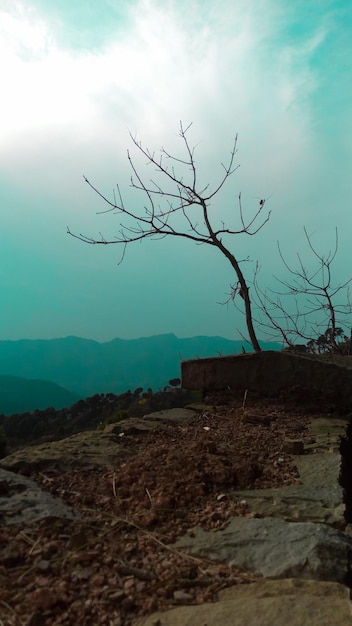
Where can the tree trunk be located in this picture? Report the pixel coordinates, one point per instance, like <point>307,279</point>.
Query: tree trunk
<point>245,294</point>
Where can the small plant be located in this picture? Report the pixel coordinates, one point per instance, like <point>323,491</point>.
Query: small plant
<point>330,342</point>
<point>114,418</point>
<point>175,382</point>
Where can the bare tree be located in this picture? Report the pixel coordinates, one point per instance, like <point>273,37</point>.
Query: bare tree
<point>320,307</point>
<point>179,206</point>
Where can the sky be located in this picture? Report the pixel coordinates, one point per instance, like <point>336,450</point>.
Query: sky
<point>78,77</point>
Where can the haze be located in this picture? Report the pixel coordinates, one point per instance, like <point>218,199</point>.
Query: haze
<point>78,76</point>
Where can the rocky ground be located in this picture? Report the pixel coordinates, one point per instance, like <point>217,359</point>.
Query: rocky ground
<point>116,562</point>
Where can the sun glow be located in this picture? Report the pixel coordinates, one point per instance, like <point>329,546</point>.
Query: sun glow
<point>144,73</point>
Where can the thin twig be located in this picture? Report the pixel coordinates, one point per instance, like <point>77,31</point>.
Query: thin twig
<point>149,496</point>
<point>31,542</point>
<point>46,478</point>
<point>244,399</point>
<point>34,545</point>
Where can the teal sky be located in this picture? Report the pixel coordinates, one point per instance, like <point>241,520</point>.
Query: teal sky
<point>77,76</point>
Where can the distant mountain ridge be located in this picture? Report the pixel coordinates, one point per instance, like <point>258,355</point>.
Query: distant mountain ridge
<point>19,395</point>
<point>86,367</point>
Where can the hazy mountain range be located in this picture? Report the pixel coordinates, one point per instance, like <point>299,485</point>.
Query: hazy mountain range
<point>19,395</point>
<point>63,370</point>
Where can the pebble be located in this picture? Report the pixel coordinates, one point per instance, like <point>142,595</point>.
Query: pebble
<point>43,565</point>
<point>182,596</point>
<point>98,580</point>
<point>128,584</point>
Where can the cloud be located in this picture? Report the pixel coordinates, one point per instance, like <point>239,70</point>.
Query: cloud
<point>205,63</point>
<point>165,65</point>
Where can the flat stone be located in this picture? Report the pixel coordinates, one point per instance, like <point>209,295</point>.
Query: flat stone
<point>298,503</point>
<point>333,426</point>
<point>275,548</point>
<point>136,426</point>
<point>199,407</point>
<point>293,446</point>
<point>327,432</point>
<point>320,469</point>
<point>319,499</point>
<point>172,415</point>
<point>85,449</point>
<point>25,502</point>
<point>266,603</point>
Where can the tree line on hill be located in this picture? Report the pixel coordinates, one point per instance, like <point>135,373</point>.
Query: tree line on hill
<point>91,413</point>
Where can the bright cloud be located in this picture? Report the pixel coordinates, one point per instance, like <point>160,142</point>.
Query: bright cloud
<point>160,68</point>
<point>214,69</point>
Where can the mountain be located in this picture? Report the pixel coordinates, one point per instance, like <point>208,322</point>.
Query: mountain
<point>86,367</point>
<point>18,395</point>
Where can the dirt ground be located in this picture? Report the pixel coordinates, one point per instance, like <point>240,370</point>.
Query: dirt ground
<point>117,563</point>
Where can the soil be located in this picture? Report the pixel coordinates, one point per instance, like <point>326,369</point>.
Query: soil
<point>117,563</point>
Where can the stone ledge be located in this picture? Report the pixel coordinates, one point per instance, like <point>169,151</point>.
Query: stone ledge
<point>266,603</point>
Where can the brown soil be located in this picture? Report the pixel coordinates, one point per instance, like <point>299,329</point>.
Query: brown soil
<point>117,563</point>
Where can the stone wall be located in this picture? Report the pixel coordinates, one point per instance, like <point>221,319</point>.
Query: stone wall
<point>272,374</point>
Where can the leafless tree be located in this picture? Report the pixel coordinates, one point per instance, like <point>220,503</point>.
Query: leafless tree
<point>177,205</point>
<point>320,307</point>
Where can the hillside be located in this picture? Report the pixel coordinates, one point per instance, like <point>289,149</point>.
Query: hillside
<point>86,367</point>
<point>18,395</point>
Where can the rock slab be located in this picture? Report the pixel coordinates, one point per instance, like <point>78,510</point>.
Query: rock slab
<point>319,469</point>
<point>264,603</point>
<point>22,501</point>
<point>172,415</point>
<point>298,503</point>
<point>85,449</point>
<point>275,548</point>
